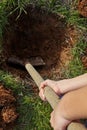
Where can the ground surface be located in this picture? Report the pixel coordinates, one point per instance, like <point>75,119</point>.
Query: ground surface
<point>38,34</point>
<point>47,37</point>
<point>7,108</point>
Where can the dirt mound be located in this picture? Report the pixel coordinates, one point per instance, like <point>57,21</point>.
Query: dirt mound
<point>7,107</point>
<point>82,7</point>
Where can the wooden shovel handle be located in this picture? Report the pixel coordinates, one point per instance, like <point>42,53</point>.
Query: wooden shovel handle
<point>50,95</point>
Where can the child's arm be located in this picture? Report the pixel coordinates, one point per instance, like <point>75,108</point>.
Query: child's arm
<point>73,83</point>
<point>63,86</point>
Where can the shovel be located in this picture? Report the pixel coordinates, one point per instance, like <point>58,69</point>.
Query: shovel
<point>50,95</point>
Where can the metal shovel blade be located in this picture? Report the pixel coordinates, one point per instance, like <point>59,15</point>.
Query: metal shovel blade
<point>35,61</point>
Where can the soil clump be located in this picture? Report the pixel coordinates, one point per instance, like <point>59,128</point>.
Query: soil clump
<point>8,112</point>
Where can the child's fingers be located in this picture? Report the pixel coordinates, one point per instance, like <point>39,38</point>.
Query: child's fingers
<point>52,119</point>
<point>41,88</point>
<point>43,84</point>
<point>41,94</point>
<point>47,82</point>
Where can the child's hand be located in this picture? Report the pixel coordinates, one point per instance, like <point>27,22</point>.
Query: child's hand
<point>60,117</point>
<point>63,86</point>
<point>58,122</point>
<point>53,84</point>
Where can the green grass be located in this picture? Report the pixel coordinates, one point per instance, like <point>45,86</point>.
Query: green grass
<point>8,7</point>
<point>75,66</point>
<point>33,113</point>
<point>10,82</point>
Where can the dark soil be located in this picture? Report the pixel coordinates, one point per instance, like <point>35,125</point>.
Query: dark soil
<point>37,33</point>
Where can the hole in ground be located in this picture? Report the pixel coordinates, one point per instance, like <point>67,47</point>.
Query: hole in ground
<point>38,33</point>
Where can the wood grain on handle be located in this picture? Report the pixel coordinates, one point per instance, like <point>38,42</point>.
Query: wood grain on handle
<point>51,96</point>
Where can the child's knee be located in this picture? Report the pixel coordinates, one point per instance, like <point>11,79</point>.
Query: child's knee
<point>65,104</point>
<point>73,105</point>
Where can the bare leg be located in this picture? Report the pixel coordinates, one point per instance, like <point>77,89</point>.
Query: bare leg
<point>73,105</point>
